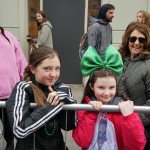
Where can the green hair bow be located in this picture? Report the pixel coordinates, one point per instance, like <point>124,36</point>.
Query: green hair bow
<point>91,61</point>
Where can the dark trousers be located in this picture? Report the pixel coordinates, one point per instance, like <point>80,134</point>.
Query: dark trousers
<point>147,134</point>
<point>8,134</point>
<point>147,146</point>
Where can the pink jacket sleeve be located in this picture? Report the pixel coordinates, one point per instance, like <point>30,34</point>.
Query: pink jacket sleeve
<point>133,132</point>
<point>20,59</point>
<point>83,133</point>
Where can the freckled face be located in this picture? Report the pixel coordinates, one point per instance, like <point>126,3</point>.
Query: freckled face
<point>48,72</point>
<point>104,89</point>
<point>39,17</point>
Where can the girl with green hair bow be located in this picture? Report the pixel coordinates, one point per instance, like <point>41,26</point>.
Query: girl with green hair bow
<point>101,89</point>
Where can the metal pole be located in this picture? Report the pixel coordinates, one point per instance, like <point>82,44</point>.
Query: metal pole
<point>105,108</point>
<point>66,130</point>
<point>3,126</point>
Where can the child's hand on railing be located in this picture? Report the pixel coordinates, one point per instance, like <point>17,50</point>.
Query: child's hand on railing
<point>126,107</point>
<point>96,104</point>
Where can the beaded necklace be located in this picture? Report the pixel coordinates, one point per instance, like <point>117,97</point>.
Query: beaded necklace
<point>49,134</point>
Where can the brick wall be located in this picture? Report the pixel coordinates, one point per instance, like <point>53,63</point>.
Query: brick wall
<point>93,8</point>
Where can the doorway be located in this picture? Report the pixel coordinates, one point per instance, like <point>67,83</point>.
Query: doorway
<point>67,19</point>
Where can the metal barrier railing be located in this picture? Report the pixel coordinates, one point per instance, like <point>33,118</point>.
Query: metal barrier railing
<point>105,108</point>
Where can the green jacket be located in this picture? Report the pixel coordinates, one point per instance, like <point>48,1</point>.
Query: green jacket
<point>135,83</point>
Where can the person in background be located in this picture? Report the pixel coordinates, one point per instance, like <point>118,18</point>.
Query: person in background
<point>40,128</point>
<point>44,31</point>
<point>134,81</point>
<point>101,89</point>
<point>12,65</point>
<point>100,30</point>
<point>143,17</point>
<point>99,33</point>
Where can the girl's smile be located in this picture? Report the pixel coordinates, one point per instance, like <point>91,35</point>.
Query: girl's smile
<point>39,17</point>
<point>104,89</point>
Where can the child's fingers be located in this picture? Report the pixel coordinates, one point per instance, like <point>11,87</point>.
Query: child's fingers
<point>62,103</point>
<point>126,107</point>
<point>52,96</point>
<point>131,102</point>
<point>50,89</point>
<point>96,104</point>
<point>55,101</point>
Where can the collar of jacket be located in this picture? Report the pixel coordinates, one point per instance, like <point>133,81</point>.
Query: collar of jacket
<point>136,58</point>
<point>114,101</point>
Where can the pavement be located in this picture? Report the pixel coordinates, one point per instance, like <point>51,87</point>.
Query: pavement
<point>77,91</point>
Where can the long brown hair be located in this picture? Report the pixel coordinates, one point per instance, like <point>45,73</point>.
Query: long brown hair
<point>145,17</point>
<point>36,58</point>
<point>3,33</point>
<point>44,18</point>
<point>145,30</point>
<point>100,73</point>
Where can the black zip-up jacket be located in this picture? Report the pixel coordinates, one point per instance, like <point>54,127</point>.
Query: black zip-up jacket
<point>25,121</point>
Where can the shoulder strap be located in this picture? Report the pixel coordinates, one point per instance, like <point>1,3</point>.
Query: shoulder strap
<point>83,38</point>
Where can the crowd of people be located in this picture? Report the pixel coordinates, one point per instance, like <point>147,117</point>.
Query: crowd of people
<point>116,77</point>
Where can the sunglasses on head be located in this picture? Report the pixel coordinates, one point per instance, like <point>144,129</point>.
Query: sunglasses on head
<point>132,39</point>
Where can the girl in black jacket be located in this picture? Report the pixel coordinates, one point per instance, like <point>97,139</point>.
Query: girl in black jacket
<point>43,87</point>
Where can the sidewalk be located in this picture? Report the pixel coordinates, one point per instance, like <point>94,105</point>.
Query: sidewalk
<point>77,91</point>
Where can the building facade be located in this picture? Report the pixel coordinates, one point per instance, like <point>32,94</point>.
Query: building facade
<point>16,16</point>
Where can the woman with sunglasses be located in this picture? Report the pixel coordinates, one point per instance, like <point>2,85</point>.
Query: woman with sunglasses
<point>135,79</point>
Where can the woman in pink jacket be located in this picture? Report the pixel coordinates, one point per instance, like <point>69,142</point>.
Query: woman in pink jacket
<point>12,65</point>
<point>101,90</point>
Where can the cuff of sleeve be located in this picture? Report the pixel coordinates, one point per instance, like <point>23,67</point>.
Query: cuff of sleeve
<point>66,101</point>
<point>129,117</point>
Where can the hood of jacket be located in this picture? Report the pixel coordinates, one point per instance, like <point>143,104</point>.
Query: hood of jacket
<point>102,12</point>
<point>95,20</point>
<point>136,58</point>
<point>113,101</point>
<point>47,23</point>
